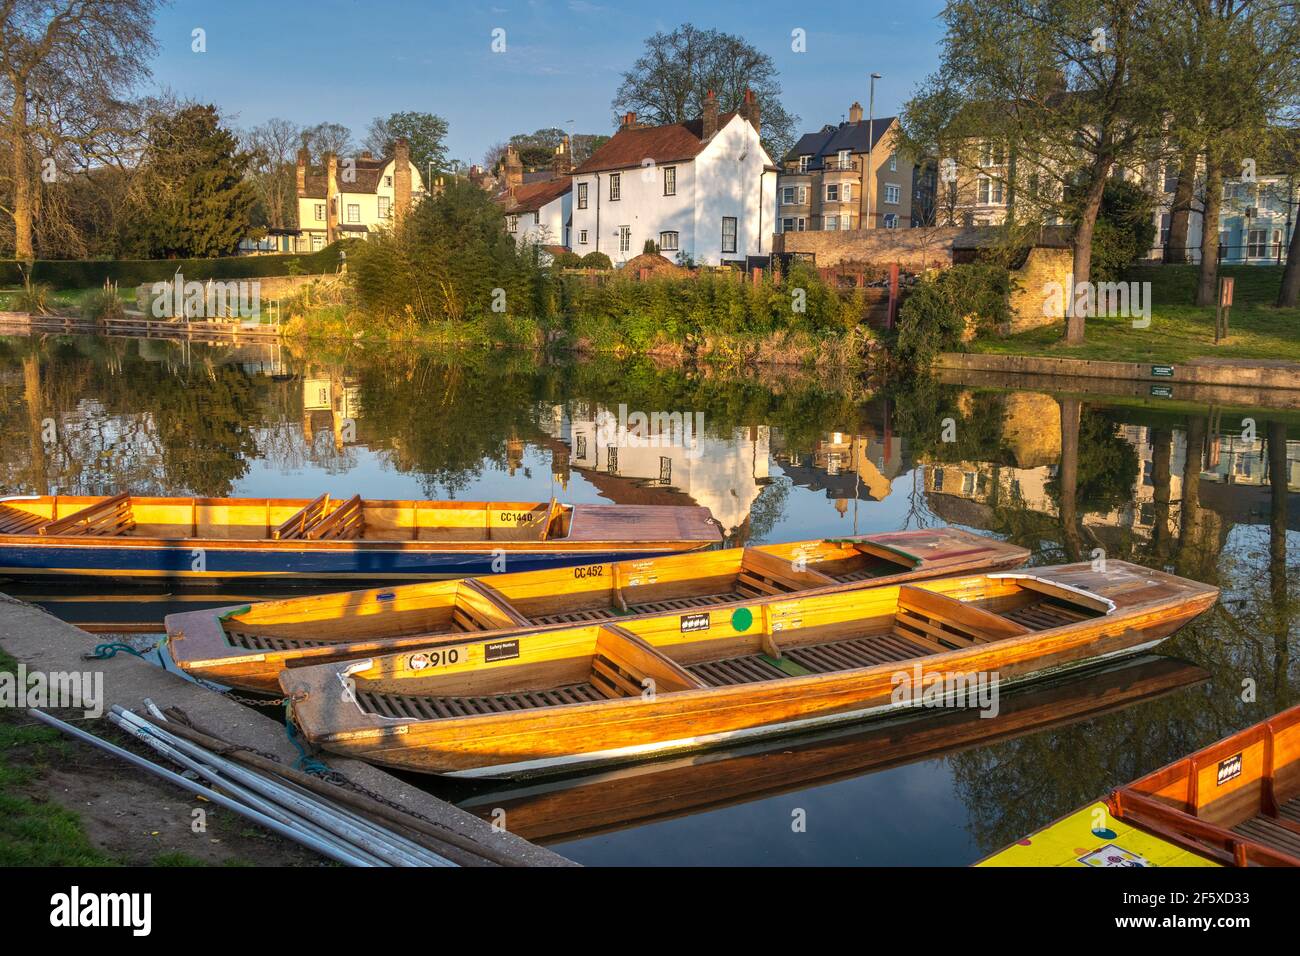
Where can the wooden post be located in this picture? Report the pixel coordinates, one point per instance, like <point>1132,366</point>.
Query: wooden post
<point>758,275</point>
<point>1223,309</point>
<point>893,295</point>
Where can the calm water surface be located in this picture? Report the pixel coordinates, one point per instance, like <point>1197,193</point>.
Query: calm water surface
<point>1209,493</point>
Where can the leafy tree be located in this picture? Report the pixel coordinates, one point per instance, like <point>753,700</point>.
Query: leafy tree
<point>1125,228</point>
<point>196,201</point>
<point>669,81</point>
<point>424,132</point>
<point>1062,89</point>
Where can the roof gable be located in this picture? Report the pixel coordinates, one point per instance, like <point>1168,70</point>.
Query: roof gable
<point>628,148</point>
<point>533,196</point>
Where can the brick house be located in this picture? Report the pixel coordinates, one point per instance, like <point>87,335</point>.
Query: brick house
<point>824,181</point>
<point>354,196</point>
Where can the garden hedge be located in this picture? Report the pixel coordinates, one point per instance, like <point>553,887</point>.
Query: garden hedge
<point>129,273</point>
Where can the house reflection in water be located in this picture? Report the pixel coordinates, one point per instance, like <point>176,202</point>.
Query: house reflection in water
<point>1233,480</point>
<point>671,461</point>
<point>848,468</point>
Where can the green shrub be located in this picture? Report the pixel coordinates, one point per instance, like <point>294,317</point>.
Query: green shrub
<point>128,273</point>
<point>33,298</point>
<point>937,312</point>
<point>596,260</point>
<point>566,260</point>
<point>103,303</point>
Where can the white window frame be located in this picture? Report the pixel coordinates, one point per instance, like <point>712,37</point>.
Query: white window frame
<point>385,207</point>
<point>832,192</point>
<point>846,192</point>
<point>893,190</point>
<point>788,194</point>
<point>670,245</point>
<point>831,224</point>
<point>582,195</point>
<point>512,223</point>
<point>320,212</point>
<point>735,233</point>
<point>354,213</point>
<point>804,160</point>
<point>787,224</point>
<point>615,186</point>
<point>893,162</point>
<point>670,180</point>
<point>582,237</point>
<point>891,220</point>
<point>624,238</point>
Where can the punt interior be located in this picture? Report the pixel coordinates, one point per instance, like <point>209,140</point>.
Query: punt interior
<point>810,635</point>
<point>580,595</point>
<point>281,519</point>
<point>1238,800</point>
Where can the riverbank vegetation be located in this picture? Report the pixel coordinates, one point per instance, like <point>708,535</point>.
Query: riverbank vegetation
<point>450,273</point>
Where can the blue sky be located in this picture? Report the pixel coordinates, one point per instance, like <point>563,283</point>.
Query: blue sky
<point>348,61</point>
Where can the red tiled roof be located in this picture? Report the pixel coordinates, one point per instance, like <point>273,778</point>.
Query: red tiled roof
<point>533,196</point>
<point>662,144</point>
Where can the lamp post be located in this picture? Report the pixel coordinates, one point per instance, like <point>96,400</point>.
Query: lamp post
<point>871,122</point>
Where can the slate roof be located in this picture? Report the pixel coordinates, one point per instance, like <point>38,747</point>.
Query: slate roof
<point>829,140</point>
<point>367,179</point>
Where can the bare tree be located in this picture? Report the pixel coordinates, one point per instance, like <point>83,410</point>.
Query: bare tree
<point>64,67</point>
<point>324,138</point>
<point>274,147</point>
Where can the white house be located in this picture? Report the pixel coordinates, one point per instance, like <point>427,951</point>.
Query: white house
<point>705,189</point>
<point>538,206</point>
<point>353,196</point>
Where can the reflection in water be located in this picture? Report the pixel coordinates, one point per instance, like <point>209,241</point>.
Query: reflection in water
<point>1203,492</point>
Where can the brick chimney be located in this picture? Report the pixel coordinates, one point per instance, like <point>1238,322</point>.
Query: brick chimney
<point>331,197</point>
<point>302,172</point>
<point>628,121</point>
<point>513,169</point>
<point>401,178</point>
<point>710,115</point>
<point>749,110</point>
<point>855,112</point>
<point>563,162</point>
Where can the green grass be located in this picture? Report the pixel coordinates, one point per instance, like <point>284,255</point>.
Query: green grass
<point>32,833</point>
<point>64,300</point>
<point>1179,330</point>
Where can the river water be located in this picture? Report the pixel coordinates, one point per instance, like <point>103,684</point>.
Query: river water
<point>1209,492</point>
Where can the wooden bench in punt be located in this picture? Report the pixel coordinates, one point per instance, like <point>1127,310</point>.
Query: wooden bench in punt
<point>557,700</point>
<point>248,646</point>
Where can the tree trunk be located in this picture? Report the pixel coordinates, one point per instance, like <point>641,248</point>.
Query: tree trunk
<point>23,249</point>
<point>1068,478</point>
<point>1083,250</point>
<point>1180,211</point>
<point>1278,585</point>
<point>1206,287</point>
<point>1289,296</point>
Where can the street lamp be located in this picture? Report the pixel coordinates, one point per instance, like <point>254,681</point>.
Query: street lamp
<point>871,122</point>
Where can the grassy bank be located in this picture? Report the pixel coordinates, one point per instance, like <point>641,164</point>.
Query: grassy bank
<point>1179,330</point>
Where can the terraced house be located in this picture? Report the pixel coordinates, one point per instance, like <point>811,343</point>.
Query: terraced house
<point>353,196</point>
<point>832,177</point>
<point>703,190</point>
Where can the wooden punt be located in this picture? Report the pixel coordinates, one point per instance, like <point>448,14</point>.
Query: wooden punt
<point>567,808</point>
<point>1236,802</point>
<point>566,699</point>
<point>248,646</point>
<point>209,540</point>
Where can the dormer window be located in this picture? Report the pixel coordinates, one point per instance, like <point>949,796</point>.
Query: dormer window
<point>843,161</point>
<point>803,163</point>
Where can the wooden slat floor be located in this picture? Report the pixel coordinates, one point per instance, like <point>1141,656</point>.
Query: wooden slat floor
<point>590,615</point>
<point>839,655</point>
<point>1265,830</point>
<point>432,708</point>
<point>1044,614</point>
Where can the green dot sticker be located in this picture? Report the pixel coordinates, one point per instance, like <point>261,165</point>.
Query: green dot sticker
<point>741,618</point>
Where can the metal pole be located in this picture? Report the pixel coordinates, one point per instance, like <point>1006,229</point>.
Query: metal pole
<point>871,122</point>
<point>289,833</point>
<point>338,820</point>
<point>248,797</point>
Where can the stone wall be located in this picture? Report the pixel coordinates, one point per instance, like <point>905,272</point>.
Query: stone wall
<point>1031,303</point>
<point>913,249</point>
